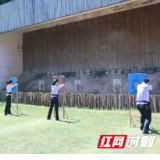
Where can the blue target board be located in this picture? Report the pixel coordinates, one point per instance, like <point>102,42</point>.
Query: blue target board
<point>14,81</point>
<point>133,80</point>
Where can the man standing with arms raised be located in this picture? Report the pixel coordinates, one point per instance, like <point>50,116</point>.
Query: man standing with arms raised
<point>143,105</point>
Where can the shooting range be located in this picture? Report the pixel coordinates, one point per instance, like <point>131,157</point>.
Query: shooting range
<point>100,49</point>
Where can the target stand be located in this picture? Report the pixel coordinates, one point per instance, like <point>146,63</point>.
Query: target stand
<point>15,89</point>
<point>16,109</point>
<point>63,115</point>
<point>64,111</point>
<point>130,122</point>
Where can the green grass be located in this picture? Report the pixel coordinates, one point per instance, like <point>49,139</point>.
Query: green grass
<point>31,133</point>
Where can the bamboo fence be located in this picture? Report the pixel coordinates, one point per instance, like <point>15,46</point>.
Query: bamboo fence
<point>83,100</point>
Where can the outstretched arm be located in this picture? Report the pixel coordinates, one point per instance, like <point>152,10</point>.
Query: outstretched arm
<point>62,85</point>
<point>14,85</point>
<point>152,87</point>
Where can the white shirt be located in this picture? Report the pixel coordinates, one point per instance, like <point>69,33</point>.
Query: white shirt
<point>55,89</point>
<point>143,92</point>
<point>9,89</point>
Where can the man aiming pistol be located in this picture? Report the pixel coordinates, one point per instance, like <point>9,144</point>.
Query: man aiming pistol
<point>143,105</point>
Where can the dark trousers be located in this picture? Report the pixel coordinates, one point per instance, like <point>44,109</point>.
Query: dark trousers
<point>8,105</point>
<point>145,119</point>
<point>54,100</point>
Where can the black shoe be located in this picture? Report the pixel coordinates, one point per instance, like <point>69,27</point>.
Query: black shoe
<point>48,119</point>
<point>57,119</point>
<point>5,114</point>
<point>141,128</point>
<point>10,113</point>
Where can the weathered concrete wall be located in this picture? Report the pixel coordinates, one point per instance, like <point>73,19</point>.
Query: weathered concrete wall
<point>21,13</point>
<point>10,59</point>
<point>102,85</point>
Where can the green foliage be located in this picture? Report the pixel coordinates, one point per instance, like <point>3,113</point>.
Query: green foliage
<point>4,1</point>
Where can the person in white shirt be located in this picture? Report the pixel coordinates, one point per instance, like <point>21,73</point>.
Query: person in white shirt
<point>143,105</point>
<point>9,87</point>
<point>54,99</point>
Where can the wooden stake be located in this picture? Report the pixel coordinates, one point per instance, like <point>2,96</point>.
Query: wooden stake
<point>13,109</point>
<point>131,122</point>
<point>17,102</point>
<point>64,112</point>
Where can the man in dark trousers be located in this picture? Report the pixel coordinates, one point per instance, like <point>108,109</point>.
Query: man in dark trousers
<point>143,105</point>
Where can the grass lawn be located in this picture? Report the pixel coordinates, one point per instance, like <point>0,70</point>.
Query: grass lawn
<point>32,133</point>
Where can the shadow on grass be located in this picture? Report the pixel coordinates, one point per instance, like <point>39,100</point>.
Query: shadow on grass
<point>74,121</point>
<point>153,131</point>
<point>19,115</point>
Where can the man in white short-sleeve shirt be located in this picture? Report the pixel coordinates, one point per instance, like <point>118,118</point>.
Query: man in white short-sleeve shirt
<point>143,92</point>
<point>143,105</point>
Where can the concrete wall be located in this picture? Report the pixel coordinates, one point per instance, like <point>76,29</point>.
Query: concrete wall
<point>103,85</point>
<point>10,59</point>
<point>21,13</point>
